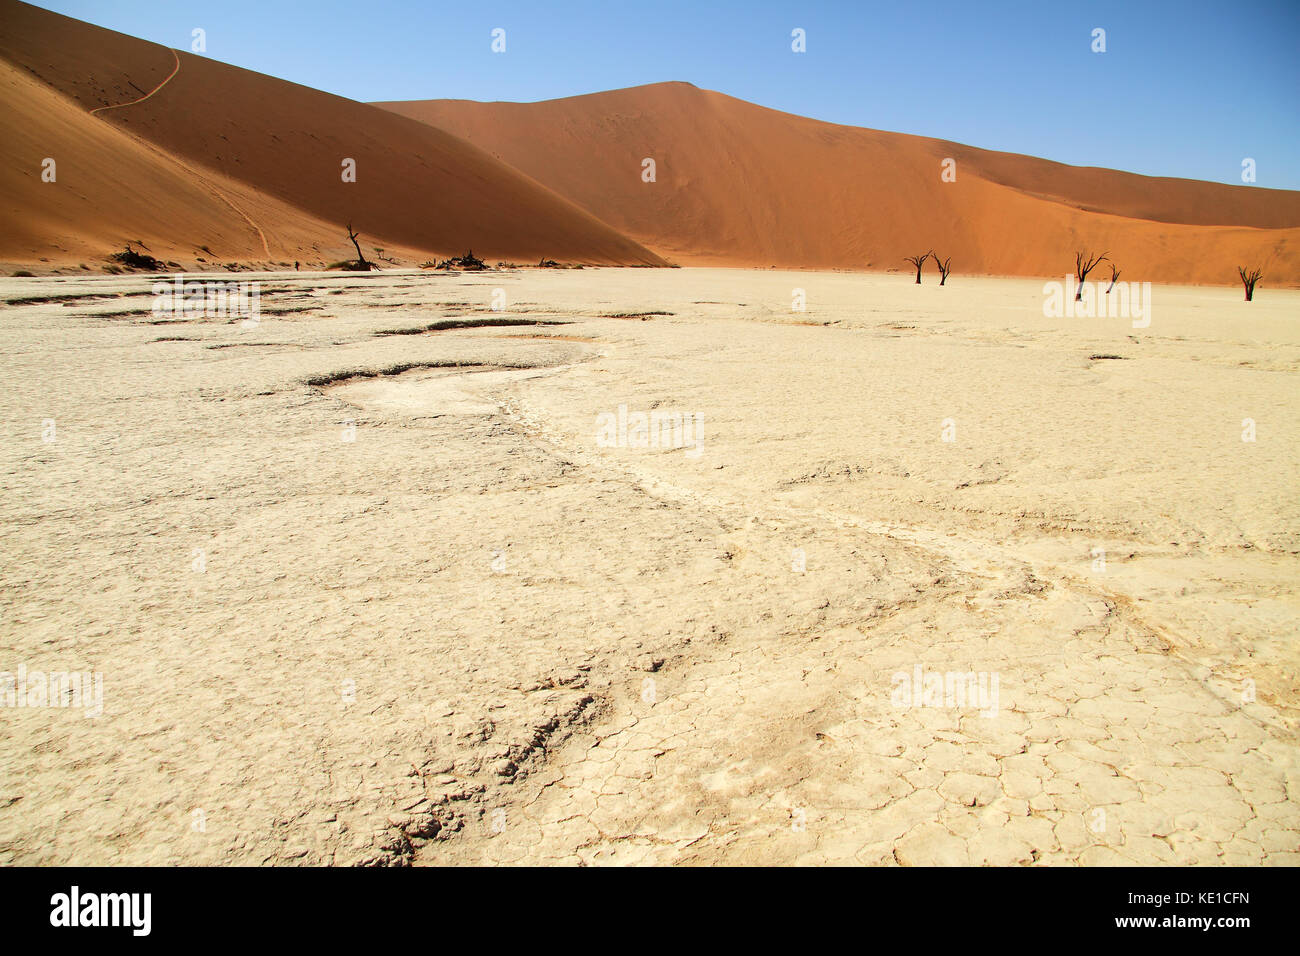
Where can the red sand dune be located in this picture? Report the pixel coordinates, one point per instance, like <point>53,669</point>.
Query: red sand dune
<point>111,187</point>
<point>169,169</point>
<point>197,153</point>
<point>739,184</point>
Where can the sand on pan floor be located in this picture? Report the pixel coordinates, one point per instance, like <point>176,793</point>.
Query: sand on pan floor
<point>375,599</point>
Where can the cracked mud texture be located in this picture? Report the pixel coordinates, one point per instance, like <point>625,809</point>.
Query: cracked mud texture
<point>422,616</point>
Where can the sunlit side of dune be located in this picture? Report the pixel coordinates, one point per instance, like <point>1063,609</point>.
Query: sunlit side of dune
<point>739,184</point>
<point>415,187</point>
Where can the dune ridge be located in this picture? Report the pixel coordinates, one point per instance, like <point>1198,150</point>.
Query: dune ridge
<point>417,189</point>
<point>187,155</point>
<point>742,185</point>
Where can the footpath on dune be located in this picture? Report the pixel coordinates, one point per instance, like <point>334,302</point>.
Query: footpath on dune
<point>306,161</point>
<point>118,106</point>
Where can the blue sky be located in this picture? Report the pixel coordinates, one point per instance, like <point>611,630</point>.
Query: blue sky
<point>1184,88</point>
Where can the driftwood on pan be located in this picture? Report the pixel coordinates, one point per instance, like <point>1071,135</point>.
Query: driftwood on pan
<point>137,260</point>
<point>466,263</point>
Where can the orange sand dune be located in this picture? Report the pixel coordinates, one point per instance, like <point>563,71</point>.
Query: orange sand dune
<point>154,170</point>
<point>111,188</point>
<point>739,184</point>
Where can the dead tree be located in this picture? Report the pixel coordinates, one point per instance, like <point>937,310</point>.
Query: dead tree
<point>945,267</point>
<point>1084,262</point>
<point>1249,280</point>
<point>917,261</point>
<point>1114,274</point>
<point>137,260</point>
<point>361,259</point>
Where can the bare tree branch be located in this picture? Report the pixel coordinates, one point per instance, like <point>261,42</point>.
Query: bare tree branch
<point>1084,262</point>
<point>945,266</point>
<point>918,261</point>
<point>1249,280</point>
<point>361,259</point>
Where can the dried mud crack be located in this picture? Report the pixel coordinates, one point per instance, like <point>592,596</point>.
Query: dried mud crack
<point>389,599</point>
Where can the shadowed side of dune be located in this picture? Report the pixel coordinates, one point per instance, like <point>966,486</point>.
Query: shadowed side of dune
<point>109,188</point>
<point>414,186</point>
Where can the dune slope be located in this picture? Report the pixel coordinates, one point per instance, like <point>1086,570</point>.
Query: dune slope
<point>739,184</point>
<point>415,186</point>
<point>109,188</point>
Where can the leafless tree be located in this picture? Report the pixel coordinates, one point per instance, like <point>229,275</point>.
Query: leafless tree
<point>1249,280</point>
<point>1114,274</point>
<point>1084,262</point>
<point>361,259</point>
<point>917,261</point>
<point>945,266</point>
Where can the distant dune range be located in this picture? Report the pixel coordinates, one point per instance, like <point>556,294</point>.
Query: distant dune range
<point>249,167</point>
<point>739,184</point>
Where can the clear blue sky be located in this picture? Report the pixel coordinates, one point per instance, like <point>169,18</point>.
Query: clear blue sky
<point>1184,88</point>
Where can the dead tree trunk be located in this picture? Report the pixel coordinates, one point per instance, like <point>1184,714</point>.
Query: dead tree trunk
<point>917,261</point>
<point>1114,274</point>
<point>945,267</point>
<point>1084,262</point>
<point>361,259</point>
<point>1249,280</point>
